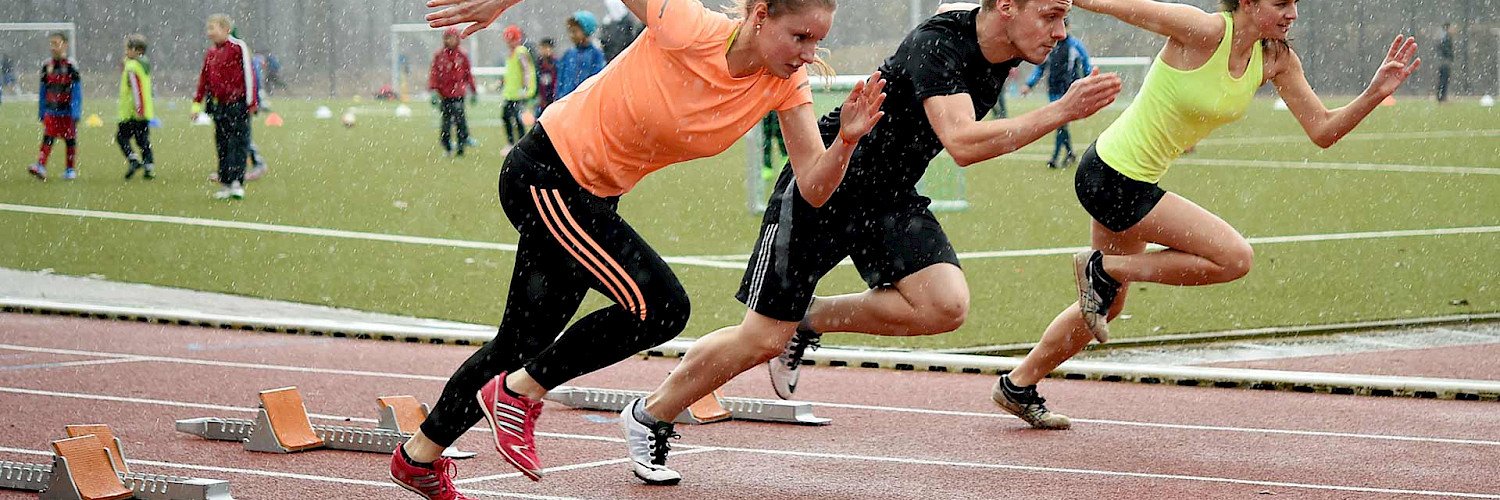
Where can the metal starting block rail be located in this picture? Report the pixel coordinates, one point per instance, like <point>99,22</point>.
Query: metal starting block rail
<point>40,478</point>
<point>757,410</point>
<point>84,467</point>
<point>282,426</point>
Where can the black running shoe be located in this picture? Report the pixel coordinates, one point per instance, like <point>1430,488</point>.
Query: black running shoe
<point>1096,291</point>
<point>1025,403</point>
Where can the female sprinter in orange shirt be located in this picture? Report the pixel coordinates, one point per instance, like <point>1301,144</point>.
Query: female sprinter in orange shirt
<point>692,84</point>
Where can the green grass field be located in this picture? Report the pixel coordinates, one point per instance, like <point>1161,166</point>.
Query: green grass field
<point>387,176</point>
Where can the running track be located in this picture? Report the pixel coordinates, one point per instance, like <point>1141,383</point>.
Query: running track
<point>895,434</point>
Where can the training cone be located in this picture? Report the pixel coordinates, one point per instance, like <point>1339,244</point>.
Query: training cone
<point>323,113</point>
<point>1488,101</point>
<point>528,118</point>
<point>1280,105</point>
<point>274,120</point>
<point>93,121</point>
<point>1389,101</point>
<point>203,119</point>
<point>403,111</point>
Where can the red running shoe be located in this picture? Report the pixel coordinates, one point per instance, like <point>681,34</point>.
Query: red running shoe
<point>433,484</point>
<point>513,422</point>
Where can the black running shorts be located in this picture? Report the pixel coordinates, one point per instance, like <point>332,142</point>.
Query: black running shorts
<point>1116,201</point>
<point>798,244</point>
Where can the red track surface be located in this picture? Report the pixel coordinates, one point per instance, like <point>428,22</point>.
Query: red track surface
<point>907,435</point>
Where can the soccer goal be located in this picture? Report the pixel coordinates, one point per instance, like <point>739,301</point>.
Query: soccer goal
<point>412,47</point>
<point>24,45</point>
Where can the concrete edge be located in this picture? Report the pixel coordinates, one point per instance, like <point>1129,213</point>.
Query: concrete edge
<point>1243,334</point>
<point>1372,385</point>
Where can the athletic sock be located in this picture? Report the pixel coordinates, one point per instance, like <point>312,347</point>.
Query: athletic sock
<point>639,411</point>
<point>1096,270</point>
<point>411,462</point>
<point>46,152</point>
<point>72,155</point>
<point>509,392</point>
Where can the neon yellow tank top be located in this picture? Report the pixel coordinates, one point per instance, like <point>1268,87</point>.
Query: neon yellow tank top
<point>513,90</point>
<point>1176,108</point>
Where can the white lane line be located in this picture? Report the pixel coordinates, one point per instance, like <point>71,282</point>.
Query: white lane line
<point>290,475</point>
<point>65,364</point>
<point>1252,430</point>
<point>587,465</point>
<point>1096,472</point>
<point>896,459</point>
<point>301,230</point>
<point>1260,240</point>
<point>922,411</point>
<point>227,364</point>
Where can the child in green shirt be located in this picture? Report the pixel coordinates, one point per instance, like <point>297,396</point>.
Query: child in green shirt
<point>135,108</point>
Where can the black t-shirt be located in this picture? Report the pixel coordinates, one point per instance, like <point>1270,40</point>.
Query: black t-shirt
<point>941,57</point>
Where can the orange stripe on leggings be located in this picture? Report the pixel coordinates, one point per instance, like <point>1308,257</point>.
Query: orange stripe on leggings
<point>561,240</point>
<point>633,288</point>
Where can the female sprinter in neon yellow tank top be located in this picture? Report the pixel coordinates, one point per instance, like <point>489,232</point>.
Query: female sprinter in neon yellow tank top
<point>1204,78</point>
<point>689,87</point>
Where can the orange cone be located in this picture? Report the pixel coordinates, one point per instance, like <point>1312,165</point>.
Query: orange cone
<point>274,120</point>
<point>1389,101</point>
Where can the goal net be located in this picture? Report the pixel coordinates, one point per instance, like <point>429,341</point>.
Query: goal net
<point>23,47</point>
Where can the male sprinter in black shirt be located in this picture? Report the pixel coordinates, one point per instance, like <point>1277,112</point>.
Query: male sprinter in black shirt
<point>947,72</point>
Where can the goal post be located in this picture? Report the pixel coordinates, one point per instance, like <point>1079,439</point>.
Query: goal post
<point>31,39</point>
<point>412,46</point>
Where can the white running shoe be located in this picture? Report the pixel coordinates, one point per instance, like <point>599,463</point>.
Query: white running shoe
<point>648,447</point>
<point>786,368</point>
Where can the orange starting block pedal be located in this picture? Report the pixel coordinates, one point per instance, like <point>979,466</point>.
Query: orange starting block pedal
<point>710,409</point>
<point>405,414</point>
<point>91,465</point>
<point>281,425</point>
<point>83,469</point>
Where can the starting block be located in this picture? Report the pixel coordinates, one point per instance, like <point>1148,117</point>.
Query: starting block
<point>710,409</point>
<point>90,466</point>
<point>282,426</point>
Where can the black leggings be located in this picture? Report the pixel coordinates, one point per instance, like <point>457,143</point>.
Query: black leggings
<point>140,132</point>
<point>232,136</point>
<point>571,242</point>
<point>453,118</point>
<point>514,127</point>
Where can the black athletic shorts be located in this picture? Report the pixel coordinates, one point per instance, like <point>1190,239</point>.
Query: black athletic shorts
<point>1116,201</point>
<point>887,240</point>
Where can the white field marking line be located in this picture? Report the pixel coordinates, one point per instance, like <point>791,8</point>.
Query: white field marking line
<point>1096,472</point>
<point>302,230</point>
<point>889,459</point>
<point>587,465</point>
<point>1260,240</point>
<point>66,364</point>
<point>1372,136</point>
<point>1251,430</point>
<point>289,475</point>
<point>1308,165</point>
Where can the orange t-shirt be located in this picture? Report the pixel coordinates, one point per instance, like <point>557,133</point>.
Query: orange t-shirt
<point>667,98</point>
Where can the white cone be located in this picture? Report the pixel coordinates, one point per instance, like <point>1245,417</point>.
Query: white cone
<point>403,111</point>
<point>1280,105</point>
<point>323,113</point>
<point>1487,101</point>
<point>203,119</point>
